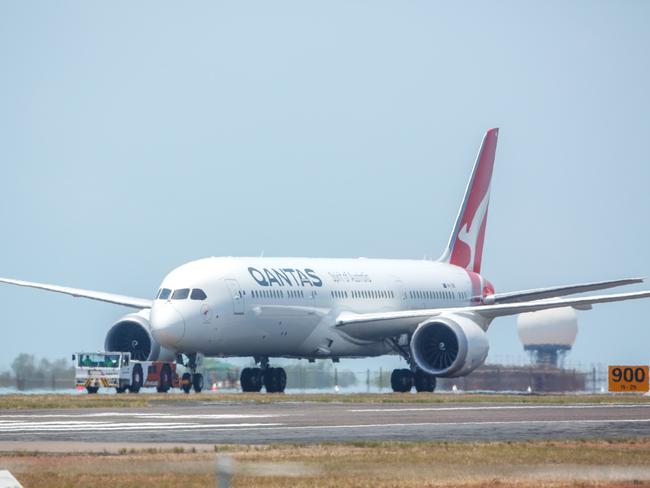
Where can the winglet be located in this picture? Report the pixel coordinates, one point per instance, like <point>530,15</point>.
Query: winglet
<point>465,247</point>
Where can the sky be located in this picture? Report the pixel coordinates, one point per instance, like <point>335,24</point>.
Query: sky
<point>135,137</point>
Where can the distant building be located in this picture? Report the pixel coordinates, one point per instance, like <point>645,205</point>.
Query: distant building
<point>539,378</point>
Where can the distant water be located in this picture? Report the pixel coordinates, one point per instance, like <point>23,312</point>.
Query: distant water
<point>111,391</point>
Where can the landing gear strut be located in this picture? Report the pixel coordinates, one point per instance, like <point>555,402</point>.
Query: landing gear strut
<point>274,380</point>
<point>402,380</point>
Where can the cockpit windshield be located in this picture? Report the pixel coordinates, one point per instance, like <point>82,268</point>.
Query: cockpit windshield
<point>181,294</point>
<point>164,293</point>
<point>198,294</point>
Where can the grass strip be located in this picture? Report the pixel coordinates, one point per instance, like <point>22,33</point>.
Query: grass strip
<point>27,401</point>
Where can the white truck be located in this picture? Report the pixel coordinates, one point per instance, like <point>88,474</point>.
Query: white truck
<point>94,370</point>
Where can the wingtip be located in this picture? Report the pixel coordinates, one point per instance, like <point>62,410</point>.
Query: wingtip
<point>637,279</point>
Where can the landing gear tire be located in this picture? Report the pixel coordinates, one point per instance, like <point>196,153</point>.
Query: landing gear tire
<point>136,379</point>
<point>186,382</point>
<point>92,389</point>
<point>251,380</point>
<point>283,379</point>
<point>120,389</point>
<point>165,382</point>
<point>401,380</point>
<point>275,380</point>
<point>424,382</point>
<point>197,382</point>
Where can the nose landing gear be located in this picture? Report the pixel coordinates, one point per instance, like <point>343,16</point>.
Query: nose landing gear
<point>193,379</point>
<point>274,380</point>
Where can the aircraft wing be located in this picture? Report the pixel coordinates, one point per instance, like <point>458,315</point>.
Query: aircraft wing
<point>375,326</point>
<point>132,302</point>
<point>557,291</point>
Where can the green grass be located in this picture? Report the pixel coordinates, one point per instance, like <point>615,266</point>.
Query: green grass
<point>620,463</point>
<point>18,401</point>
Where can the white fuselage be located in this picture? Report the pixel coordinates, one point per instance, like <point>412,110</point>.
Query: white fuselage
<point>285,307</point>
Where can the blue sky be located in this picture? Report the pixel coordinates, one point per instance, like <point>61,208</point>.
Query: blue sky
<point>136,137</point>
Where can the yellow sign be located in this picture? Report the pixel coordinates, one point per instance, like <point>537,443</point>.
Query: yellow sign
<point>628,378</point>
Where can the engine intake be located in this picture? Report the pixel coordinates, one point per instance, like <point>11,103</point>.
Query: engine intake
<point>132,334</point>
<point>451,345</point>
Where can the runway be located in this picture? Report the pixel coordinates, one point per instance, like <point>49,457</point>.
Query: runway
<point>305,422</point>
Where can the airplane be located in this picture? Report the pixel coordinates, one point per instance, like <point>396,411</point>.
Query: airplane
<point>434,314</point>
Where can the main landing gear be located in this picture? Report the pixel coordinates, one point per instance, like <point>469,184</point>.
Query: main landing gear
<point>274,380</point>
<point>402,380</point>
<point>193,379</point>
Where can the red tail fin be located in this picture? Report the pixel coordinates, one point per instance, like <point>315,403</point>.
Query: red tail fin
<point>465,247</point>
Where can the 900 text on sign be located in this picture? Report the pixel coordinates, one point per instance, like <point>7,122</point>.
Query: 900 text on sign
<point>628,378</point>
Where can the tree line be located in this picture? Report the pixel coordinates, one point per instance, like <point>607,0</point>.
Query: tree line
<point>28,372</point>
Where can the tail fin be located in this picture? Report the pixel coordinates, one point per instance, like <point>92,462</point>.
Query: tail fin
<point>465,247</point>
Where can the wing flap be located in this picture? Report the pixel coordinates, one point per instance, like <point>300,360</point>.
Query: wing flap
<point>558,291</point>
<point>584,303</point>
<point>126,301</point>
<point>377,326</point>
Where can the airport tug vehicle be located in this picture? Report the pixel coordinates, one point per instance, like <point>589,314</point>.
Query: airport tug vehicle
<point>94,370</point>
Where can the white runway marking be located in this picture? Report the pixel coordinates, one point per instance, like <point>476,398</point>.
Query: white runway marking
<point>152,415</point>
<point>504,407</point>
<point>443,424</point>
<point>64,427</point>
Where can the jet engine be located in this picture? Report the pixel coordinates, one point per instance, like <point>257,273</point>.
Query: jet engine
<point>132,333</point>
<point>449,345</point>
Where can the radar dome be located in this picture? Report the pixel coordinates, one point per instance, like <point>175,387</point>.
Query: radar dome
<point>557,327</point>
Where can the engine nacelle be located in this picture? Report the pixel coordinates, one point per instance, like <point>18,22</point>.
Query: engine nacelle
<point>132,333</point>
<point>449,345</point>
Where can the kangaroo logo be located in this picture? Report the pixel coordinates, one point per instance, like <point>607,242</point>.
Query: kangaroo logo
<point>468,234</point>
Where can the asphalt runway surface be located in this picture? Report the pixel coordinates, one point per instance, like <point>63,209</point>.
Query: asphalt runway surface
<point>304,422</point>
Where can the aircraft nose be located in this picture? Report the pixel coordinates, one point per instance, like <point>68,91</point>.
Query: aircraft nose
<point>167,324</point>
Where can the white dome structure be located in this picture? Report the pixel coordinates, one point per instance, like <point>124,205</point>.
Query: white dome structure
<point>548,334</point>
<point>557,326</point>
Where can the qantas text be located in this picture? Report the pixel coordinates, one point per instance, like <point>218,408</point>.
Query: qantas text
<point>285,277</point>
